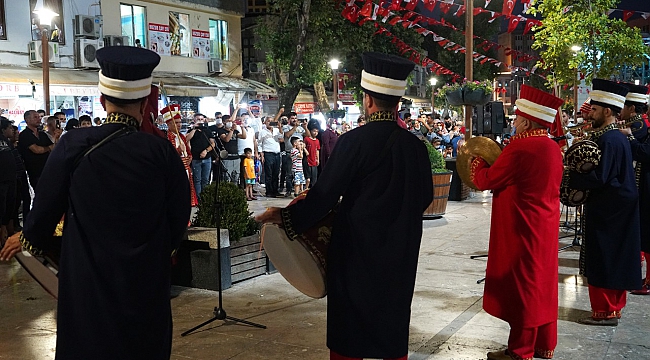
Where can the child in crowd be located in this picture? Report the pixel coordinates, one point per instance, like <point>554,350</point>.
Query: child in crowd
<point>296,165</point>
<point>312,144</point>
<point>249,173</point>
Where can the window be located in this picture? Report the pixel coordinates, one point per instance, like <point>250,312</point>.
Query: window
<point>56,31</point>
<point>180,33</point>
<point>219,39</point>
<point>134,19</point>
<point>3,24</point>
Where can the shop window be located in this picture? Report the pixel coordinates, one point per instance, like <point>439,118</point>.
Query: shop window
<point>219,39</point>
<point>134,22</point>
<point>56,31</point>
<point>3,24</point>
<point>180,33</point>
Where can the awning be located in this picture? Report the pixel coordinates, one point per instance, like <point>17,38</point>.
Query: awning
<point>175,84</point>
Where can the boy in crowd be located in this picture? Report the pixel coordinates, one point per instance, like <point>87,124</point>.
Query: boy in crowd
<point>313,159</point>
<point>249,173</point>
<point>296,165</point>
<point>85,121</point>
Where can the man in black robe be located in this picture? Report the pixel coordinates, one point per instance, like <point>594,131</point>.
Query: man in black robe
<point>632,113</point>
<point>610,253</point>
<point>126,204</point>
<point>382,176</point>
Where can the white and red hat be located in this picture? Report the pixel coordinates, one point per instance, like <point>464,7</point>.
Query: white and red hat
<point>171,112</point>
<point>537,105</point>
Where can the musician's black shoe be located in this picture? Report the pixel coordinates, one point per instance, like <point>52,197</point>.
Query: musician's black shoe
<point>599,322</point>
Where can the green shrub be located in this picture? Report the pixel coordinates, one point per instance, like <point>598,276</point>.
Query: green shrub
<point>435,157</point>
<point>234,209</point>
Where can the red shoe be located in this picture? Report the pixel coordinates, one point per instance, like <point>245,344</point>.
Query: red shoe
<point>645,290</point>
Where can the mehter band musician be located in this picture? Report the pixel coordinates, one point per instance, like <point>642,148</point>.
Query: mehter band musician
<point>611,245</point>
<point>126,201</point>
<point>635,107</point>
<point>383,174</point>
<point>522,270</point>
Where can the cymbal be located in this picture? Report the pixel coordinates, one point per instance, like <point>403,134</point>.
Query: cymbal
<point>478,146</point>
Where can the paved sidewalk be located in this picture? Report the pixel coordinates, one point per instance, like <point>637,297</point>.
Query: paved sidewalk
<point>447,320</point>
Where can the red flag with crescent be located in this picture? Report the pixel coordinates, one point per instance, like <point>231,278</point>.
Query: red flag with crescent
<point>508,6</point>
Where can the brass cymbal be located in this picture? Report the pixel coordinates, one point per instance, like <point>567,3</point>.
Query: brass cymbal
<point>478,146</point>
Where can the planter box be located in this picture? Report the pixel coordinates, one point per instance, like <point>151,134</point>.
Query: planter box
<point>205,261</point>
<point>441,185</point>
<point>455,97</point>
<point>248,258</point>
<point>475,97</point>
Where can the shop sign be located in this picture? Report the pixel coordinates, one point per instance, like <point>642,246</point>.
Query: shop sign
<point>159,39</point>
<point>200,44</point>
<point>346,95</point>
<point>60,90</point>
<point>421,104</point>
<point>15,89</point>
<point>305,107</point>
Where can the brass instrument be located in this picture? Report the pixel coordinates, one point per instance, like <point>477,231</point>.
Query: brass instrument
<point>478,146</point>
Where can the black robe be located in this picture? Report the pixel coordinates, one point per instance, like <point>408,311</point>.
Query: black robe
<point>641,153</point>
<point>612,230</point>
<point>130,204</point>
<point>373,253</point>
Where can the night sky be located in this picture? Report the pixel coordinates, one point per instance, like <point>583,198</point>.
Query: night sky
<point>634,5</point>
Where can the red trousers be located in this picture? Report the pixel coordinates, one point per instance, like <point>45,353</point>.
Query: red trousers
<point>524,343</point>
<point>647,265</point>
<point>606,303</point>
<point>336,356</point>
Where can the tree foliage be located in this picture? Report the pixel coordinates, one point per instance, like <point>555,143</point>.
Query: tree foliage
<point>607,45</point>
<point>328,35</point>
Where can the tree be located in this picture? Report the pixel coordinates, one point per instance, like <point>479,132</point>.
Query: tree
<point>301,36</point>
<point>606,45</point>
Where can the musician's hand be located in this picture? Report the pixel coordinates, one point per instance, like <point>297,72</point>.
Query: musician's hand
<point>626,131</point>
<point>272,215</point>
<point>11,248</point>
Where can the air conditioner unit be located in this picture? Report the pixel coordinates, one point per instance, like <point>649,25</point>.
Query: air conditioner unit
<point>85,53</point>
<point>114,40</point>
<point>36,52</point>
<point>214,66</point>
<point>86,26</point>
<point>256,67</point>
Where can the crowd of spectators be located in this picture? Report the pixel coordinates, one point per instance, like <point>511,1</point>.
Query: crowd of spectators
<point>445,135</point>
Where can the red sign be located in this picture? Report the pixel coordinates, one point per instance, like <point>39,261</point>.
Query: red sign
<point>255,109</point>
<point>343,79</point>
<point>158,27</point>
<point>346,95</point>
<point>199,33</point>
<point>304,108</point>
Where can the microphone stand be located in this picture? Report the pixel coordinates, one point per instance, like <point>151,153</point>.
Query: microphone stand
<point>219,313</point>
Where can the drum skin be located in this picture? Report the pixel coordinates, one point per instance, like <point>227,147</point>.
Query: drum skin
<point>582,156</point>
<point>303,261</point>
<point>571,197</point>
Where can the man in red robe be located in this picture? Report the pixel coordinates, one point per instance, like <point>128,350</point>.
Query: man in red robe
<point>172,116</point>
<point>522,270</point>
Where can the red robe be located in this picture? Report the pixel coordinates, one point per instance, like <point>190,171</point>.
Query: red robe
<point>187,161</point>
<point>521,285</point>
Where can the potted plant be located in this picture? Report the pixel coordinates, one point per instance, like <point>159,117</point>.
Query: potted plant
<point>198,258</point>
<point>441,178</point>
<point>467,92</point>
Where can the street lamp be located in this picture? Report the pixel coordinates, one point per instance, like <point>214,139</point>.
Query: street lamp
<point>334,64</point>
<point>575,49</point>
<point>433,81</point>
<point>45,16</point>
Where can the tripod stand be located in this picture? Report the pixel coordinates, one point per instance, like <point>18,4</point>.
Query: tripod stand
<point>476,257</point>
<point>576,227</point>
<point>219,313</point>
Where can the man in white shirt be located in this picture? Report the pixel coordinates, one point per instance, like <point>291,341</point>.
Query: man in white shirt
<point>249,142</point>
<point>270,136</point>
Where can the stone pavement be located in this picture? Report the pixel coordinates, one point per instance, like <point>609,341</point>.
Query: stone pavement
<point>447,321</point>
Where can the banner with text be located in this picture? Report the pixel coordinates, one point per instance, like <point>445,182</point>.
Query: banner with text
<point>200,44</point>
<point>159,39</point>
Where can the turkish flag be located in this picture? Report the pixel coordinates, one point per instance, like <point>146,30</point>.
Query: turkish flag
<point>487,2</point>
<point>395,5</point>
<point>411,5</point>
<point>512,24</point>
<point>444,7</point>
<point>351,13</point>
<point>366,10</point>
<point>430,4</point>
<point>508,6</point>
<point>627,15</point>
<point>529,26</point>
<point>460,11</point>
